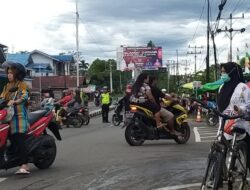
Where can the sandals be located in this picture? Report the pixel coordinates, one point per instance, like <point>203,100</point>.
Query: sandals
<point>22,171</point>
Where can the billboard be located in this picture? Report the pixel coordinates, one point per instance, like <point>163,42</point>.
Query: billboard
<point>145,58</point>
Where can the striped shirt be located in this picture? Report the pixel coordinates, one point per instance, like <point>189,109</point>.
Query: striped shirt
<point>19,122</point>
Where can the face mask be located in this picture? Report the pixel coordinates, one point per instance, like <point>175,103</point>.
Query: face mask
<point>224,77</point>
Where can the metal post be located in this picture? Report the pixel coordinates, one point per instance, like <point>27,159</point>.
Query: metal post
<point>208,28</point>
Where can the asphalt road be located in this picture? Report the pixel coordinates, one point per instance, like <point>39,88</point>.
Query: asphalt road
<point>98,157</point>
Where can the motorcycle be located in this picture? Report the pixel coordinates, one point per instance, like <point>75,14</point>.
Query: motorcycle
<point>84,113</point>
<point>117,117</point>
<point>212,119</point>
<point>97,101</point>
<point>41,147</point>
<point>140,125</point>
<point>69,118</point>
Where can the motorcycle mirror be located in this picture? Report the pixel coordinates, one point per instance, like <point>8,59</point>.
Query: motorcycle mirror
<point>13,89</point>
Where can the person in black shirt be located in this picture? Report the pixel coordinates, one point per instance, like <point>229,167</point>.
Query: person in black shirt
<point>167,116</point>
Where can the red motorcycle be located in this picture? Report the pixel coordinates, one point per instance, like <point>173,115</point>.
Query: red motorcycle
<point>41,147</point>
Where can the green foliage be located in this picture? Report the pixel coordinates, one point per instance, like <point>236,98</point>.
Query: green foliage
<point>150,44</point>
<point>99,73</point>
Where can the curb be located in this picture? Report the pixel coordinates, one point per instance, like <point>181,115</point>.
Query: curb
<point>99,111</point>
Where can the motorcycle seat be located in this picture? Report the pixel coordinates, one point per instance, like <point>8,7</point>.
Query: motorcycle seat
<point>35,115</point>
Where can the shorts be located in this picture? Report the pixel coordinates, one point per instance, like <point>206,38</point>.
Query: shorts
<point>166,115</point>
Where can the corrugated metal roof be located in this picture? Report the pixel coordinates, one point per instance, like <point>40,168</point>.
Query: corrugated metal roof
<point>18,57</point>
<point>64,58</point>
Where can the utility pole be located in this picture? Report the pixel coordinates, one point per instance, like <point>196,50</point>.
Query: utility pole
<point>195,55</point>
<point>208,28</point>
<point>177,69</point>
<point>110,76</point>
<point>231,30</point>
<point>77,46</point>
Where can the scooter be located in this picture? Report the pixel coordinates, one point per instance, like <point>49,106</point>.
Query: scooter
<point>40,145</point>
<point>140,125</point>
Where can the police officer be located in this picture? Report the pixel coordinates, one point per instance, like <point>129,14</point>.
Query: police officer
<point>105,100</point>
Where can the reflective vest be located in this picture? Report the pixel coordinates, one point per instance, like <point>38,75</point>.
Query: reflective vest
<point>105,98</point>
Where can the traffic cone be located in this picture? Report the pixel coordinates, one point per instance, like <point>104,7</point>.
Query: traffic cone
<point>198,117</point>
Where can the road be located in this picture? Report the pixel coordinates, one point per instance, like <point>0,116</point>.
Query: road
<point>97,157</point>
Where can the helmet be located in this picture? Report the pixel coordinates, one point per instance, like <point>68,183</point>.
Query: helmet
<point>164,90</point>
<point>21,71</point>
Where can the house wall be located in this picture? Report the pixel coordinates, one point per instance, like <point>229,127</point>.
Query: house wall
<point>38,58</point>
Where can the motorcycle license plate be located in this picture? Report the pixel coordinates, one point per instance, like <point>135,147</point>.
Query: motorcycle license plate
<point>129,115</point>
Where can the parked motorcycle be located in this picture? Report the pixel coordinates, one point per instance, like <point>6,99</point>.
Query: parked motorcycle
<point>41,146</point>
<point>84,113</point>
<point>140,125</point>
<point>73,117</point>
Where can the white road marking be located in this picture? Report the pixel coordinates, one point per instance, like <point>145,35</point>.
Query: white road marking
<point>197,135</point>
<point>2,179</point>
<point>180,186</point>
<point>208,137</point>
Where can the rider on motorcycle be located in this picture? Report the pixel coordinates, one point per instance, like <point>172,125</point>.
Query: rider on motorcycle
<point>142,96</point>
<point>67,97</point>
<point>19,123</point>
<point>167,116</point>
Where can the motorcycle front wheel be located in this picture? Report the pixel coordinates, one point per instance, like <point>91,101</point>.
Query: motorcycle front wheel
<point>212,119</point>
<point>115,120</point>
<point>46,153</point>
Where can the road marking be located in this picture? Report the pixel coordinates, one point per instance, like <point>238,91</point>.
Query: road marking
<point>180,186</point>
<point>2,179</point>
<point>208,137</point>
<point>197,135</point>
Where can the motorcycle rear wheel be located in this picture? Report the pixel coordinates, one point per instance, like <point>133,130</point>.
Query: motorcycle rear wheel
<point>130,137</point>
<point>185,130</point>
<point>75,120</point>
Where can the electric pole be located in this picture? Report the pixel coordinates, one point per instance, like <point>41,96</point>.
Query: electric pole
<point>231,30</point>
<point>208,28</point>
<point>195,55</point>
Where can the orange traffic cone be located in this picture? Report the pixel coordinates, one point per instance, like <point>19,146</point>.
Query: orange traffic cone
<point>198,118</point>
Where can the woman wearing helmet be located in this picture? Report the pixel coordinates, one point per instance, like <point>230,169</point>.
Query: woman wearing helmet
<point>18,99</point>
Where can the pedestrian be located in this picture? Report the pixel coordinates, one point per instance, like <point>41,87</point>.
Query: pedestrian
<point>105,100</point>
<point>18,99</point>
<point>234,93</point>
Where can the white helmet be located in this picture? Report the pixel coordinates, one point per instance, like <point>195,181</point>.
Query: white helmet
<point>164,90</point>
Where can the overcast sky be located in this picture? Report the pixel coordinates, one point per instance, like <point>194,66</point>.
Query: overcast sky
<point>104,25</point>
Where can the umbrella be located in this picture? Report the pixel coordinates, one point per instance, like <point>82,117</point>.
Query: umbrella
<point>188,85</point>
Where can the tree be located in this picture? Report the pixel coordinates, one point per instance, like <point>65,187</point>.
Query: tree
<point>150,44</point>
